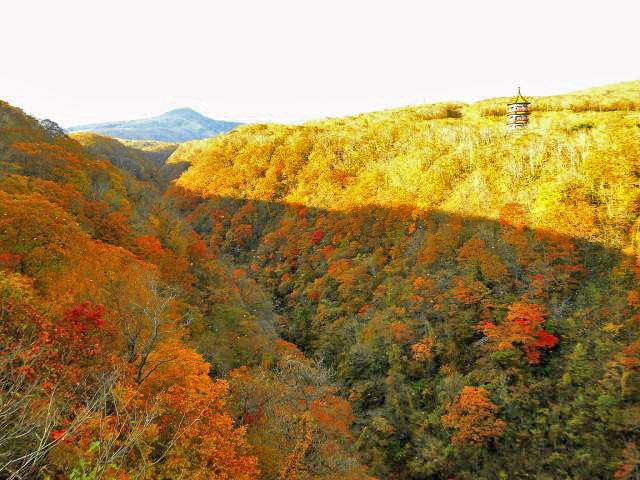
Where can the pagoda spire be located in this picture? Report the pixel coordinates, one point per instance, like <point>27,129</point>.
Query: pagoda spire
<point>518,112</point>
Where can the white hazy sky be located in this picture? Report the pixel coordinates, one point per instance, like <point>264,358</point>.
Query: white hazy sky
<point>86,61</point>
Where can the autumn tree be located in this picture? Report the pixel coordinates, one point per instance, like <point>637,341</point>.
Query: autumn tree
<point>472,415</point>
<point>522,327</point>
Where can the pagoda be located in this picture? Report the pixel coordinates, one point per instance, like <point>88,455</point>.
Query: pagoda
<point>518,112</point>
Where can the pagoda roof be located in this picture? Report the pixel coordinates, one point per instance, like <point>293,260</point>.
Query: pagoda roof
<point>519,99</point>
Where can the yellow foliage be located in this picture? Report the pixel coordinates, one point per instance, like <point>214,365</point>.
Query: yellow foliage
<point>573,171</point>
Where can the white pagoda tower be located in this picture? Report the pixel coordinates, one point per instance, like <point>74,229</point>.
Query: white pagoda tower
<point>518,112</point>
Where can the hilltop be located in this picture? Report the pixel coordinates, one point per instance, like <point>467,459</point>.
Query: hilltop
<point>175,126</point>
<point>573,169</point>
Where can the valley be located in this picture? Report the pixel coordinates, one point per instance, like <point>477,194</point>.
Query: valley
<point>406,294</point>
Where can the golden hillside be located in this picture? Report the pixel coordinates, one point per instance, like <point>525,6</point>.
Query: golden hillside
<point>575,170</point>
<point>471,288</point>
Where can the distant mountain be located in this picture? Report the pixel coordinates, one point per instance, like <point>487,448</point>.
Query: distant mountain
<point>178,125</point>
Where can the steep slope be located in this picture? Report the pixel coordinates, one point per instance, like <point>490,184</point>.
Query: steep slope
<point>145,159</point>
<point>157,151</point>
<point>475,291</point>
<point>127,349</point>
<point>424,156</point>
<point>118,154</point>
<point>175,126</point>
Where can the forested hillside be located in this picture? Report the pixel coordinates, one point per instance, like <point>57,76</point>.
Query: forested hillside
<point>408,294</point>
<point>127,348</point>
<point>476,292</point>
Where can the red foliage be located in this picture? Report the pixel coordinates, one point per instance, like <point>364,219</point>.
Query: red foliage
<point>316,236</point>
<point>56,434</point>
<point>328,250</point>
<point>523,326</point>
<point>80,333</point>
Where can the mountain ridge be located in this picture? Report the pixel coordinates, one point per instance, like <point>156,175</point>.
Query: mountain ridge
<point>178,125</point>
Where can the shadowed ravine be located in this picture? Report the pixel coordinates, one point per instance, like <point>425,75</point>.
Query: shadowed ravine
<point>358,289</point>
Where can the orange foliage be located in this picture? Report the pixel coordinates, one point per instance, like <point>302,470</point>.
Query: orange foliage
<point>474,253</point>
<point>287,349</point>
<point>401,332</point>
<point>633,298</point>
<point>198,249</point>
<point>423,350</point>
<point>364,309</point>
<point>289,470</point>
<point>338,268</point>
<point>513,214</point>
<point>208,445</point>
<point>429,254</point>
<point>631,356</point>
<point>242,232</point>
<point>631,461</point>
<point>470,293</point>
<point>9,261</point>
<point>472,415</point>
<point>333,413</point>
<point>148,247</point>
<point>238,273</point>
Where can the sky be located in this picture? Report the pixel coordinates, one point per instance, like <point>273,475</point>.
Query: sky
<point>87,61</point>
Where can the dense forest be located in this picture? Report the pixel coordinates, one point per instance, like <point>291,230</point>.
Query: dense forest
<point>406,294</point>
<point>113,311</point>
